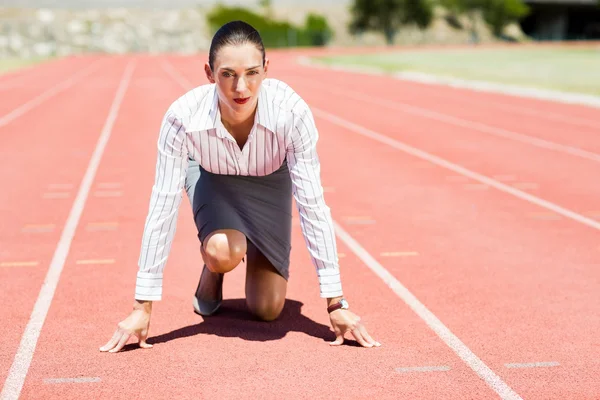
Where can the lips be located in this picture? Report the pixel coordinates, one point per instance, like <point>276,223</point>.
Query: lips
<point>242,101</point>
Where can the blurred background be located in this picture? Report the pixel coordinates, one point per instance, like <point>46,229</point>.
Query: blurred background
<point>36,30</point>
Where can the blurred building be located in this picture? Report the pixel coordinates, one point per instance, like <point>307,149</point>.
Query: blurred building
<point>562,20</point>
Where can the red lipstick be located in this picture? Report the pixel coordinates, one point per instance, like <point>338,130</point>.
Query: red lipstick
<point>242,101</point>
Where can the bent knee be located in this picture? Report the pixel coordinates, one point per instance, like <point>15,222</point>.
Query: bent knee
<point>225,250</point>
<point>266,309</point>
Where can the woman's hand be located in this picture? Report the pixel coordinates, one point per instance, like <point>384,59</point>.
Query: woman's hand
<point>344,321</point>
<point>137,323</point>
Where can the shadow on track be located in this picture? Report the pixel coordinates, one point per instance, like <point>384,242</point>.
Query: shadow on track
<point>235,320</point>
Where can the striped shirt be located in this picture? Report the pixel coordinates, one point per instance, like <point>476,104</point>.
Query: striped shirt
<point>284,129</point>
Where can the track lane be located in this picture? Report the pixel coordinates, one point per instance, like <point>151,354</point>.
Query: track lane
<point>38,80</point>
<point>563,125</point>
<point>45,151</point>
<point>541,172</point>
<point>227,356</point>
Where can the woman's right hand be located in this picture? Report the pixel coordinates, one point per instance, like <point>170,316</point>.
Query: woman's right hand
<point>137,323</point>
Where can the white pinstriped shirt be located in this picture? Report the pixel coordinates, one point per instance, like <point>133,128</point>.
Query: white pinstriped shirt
<point>284,128</point>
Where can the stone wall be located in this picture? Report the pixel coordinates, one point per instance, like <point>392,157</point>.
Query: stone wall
<point>44,32</point>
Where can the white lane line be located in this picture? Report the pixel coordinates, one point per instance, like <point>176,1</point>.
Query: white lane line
<point>19,263</point>
<point>399,254</point>
<point>533,365</point>
<point>430,319</point>
<point>452,341</point>
<point>35,228</point>
<point>468,124</point>
<point>60,186</point>
<point>36,101</point>
<point>423,369</point>
<point>456,168</point>
<point>108,193</point>
<point>18,370</point>
<point>56,195</point>
<point>95,261</point>
<point>102,226</point>
<point>72,380</point>
<point>109,185</point>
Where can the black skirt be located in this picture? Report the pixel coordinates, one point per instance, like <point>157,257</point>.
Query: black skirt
<point>258,206</point>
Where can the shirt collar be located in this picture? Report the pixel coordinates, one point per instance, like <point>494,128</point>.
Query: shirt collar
<point>202,120</point>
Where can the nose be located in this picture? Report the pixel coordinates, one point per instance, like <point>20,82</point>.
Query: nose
<point>241,85</point>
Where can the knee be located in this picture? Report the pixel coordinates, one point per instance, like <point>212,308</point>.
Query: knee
<point>224,251</point>
<point>266,308</point>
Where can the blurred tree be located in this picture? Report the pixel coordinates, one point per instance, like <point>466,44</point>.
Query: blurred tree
<point>317,29</point>
<point>388,16</point>
<point>274,33</point>
<point>499,13</point>
<point>496,13</point>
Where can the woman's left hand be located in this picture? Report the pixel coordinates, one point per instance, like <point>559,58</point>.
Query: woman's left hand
<point>344,321</point>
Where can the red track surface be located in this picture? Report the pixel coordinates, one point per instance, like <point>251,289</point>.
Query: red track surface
<point>515,282</point>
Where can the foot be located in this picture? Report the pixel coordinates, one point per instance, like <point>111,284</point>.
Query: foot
<point>209,293</point>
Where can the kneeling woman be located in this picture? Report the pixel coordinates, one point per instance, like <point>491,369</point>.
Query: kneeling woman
<point>242,146</point>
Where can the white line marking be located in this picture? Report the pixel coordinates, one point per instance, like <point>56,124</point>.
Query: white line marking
<point>60,186</point>
<point>457,168</point>
<point>527,185</point>
<point>109,185</point>
<point>398,254</point>
<point>430,319</point>
<point>422,369</point>
<point>464,123</point>
<point>452,341</point>
<point>102,226</point>
<point>19,264</point>
<point>56,195</point>
<point>38,228</point>
<point>108,193</point>
<point>36,101</point>
<point>20,366</point>
<point>533,365</point>
<point>95,261</point>
<point>72,380</point>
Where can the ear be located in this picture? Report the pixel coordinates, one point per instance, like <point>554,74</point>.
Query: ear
<point>266,65</point>
<point>209,74</point>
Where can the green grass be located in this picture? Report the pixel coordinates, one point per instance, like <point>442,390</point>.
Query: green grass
<point>567,69</point>
<point>13,64</point>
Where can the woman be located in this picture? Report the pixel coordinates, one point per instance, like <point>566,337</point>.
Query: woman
<point>242,147</point>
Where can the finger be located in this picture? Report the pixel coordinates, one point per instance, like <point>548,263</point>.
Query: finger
<point>368,338</point>
<point>122,341</point>
<point>113,340</point>
<point>338,340</point>
<point>142,342</point>
<point>357,335</point>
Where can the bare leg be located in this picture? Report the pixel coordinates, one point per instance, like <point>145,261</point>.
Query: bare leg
<point>222,251</point>
<point>265,287</point>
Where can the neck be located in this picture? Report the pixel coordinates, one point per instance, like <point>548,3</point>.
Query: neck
<point>232,120</point>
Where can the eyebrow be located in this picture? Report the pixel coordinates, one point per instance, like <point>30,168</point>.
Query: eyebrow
<point>232,70</point>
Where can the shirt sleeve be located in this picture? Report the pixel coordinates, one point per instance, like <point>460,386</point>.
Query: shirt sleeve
<point>161,221</point>
<point>315,215</point>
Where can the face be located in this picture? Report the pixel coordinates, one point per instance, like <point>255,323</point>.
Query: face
<point>238,73</point>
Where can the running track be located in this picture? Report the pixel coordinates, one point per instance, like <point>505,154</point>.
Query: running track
<point>468,228</point>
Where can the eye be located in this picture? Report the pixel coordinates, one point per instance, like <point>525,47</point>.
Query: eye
<point>253,72</point>
<point>226,74</point>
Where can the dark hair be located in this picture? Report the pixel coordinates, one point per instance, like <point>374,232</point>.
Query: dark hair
<point>234,33</point>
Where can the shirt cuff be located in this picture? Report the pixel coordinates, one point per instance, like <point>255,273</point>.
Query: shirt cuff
<point>330,283</point>
<point>148,286</point>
